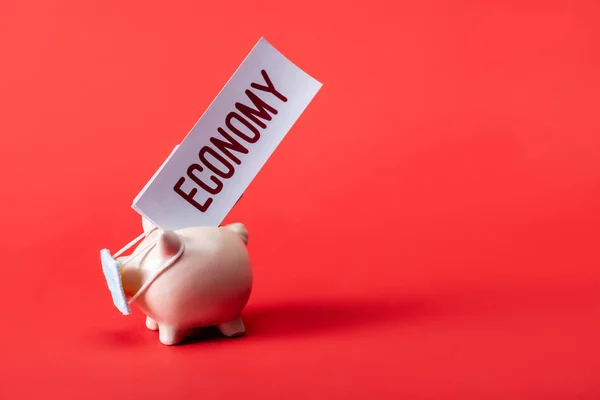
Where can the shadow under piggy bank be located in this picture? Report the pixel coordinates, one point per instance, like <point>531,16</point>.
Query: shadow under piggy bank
<point>301,318</point>
<point>320,317</point>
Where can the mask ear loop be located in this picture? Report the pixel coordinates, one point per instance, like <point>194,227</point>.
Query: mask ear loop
<point>134,241</point>
<point>168,264</point>
<point>145,249</point>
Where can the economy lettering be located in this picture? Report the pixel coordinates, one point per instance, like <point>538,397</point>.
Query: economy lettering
<point>221,158</point>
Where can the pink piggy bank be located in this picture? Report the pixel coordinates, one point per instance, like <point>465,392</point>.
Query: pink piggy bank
<point>190,278</point>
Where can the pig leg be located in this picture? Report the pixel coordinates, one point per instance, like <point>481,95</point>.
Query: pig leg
<point>233,328</point>
<point>169,335</point>
<point>151,324</point>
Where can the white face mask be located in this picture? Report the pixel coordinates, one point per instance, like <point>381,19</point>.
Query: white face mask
<point>113,271</point>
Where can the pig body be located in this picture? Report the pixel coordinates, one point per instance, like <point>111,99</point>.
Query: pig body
<point>208,285</point>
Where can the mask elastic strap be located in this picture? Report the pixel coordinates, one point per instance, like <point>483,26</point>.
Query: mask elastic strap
<point>168,264</point>
<point>134,241</point>
<point>139,252</point>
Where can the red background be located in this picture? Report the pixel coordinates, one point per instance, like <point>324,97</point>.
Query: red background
<point>428,229</point>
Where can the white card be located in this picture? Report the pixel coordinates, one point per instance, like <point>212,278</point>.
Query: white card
<point>211,168</point>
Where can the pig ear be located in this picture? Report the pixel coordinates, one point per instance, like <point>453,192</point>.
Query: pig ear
<point>168,244</point>
<point>240,229</point>
<point>147,225</point>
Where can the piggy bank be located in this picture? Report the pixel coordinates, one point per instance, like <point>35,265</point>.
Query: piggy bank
<point>190,278</point>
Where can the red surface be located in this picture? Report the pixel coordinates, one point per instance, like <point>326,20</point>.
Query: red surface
<point>428,230</point>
